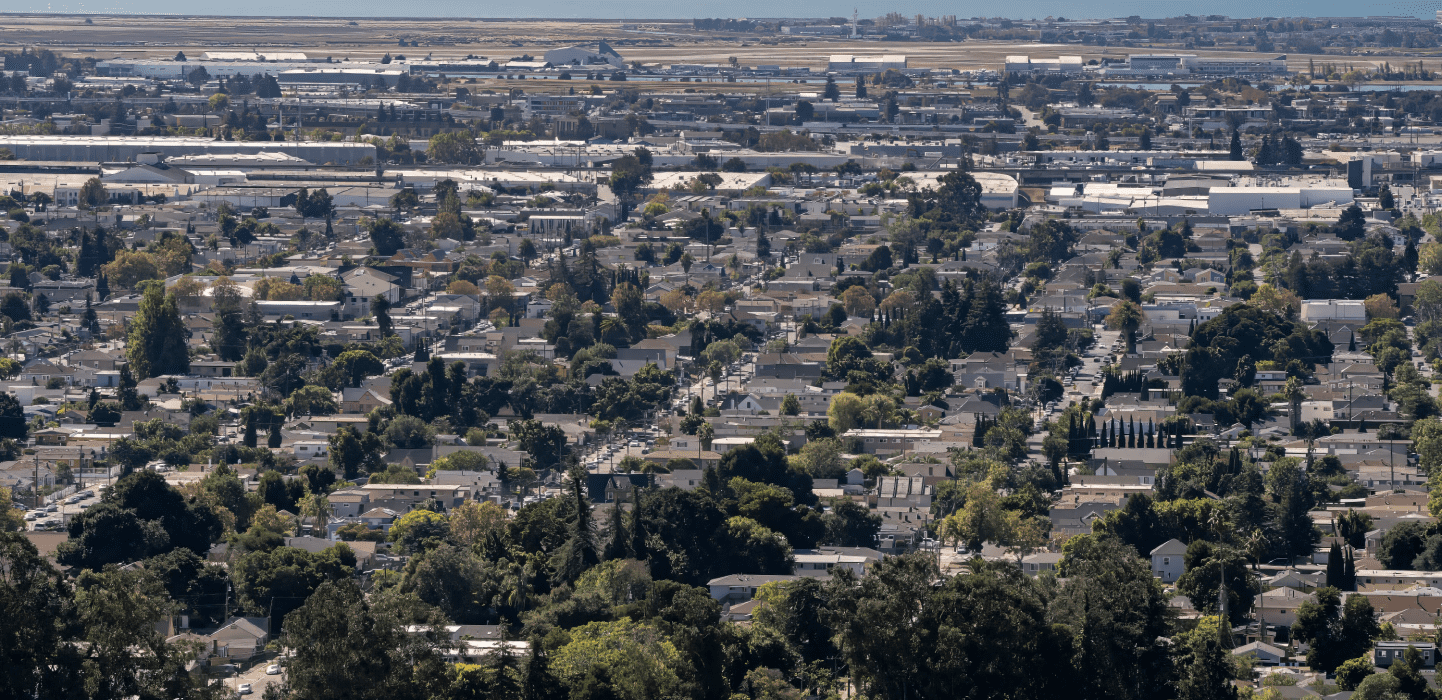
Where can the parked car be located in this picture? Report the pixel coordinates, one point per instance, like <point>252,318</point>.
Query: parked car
<point>272,670</point>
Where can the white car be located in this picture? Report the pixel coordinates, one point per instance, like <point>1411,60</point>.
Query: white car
<point>272,670</point>
<point>244,689</point>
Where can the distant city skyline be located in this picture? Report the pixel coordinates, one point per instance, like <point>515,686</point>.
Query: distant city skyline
<point>669,9</point>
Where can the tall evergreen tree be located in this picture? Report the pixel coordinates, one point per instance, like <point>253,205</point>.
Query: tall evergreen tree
<point>1336,567</point>
<point>156,345</point>
<point>616,545</point>
<point>579,552</point>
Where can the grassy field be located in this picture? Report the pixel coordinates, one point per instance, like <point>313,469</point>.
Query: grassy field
<point>162,36</point>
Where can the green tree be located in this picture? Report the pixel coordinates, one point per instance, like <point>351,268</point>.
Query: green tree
<point>905,631</point>
<point>273,583</point>
<point>385,234</point>
<point>453,147</point>
<point>140,516</point>
<point>93,194</point>
<point>156,344</point>
<point>38,607</point>
<point>1206,565</point>
<point>345,646</point>
<point>1126,317</point>
<point>1334,634</point>
<point>790,406</point>
<point>1115,611</point>
<point>1353,671</point>
<point>580,551</point>
<point>1204,667</point>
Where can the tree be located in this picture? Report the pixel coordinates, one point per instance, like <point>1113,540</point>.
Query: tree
<point>311,400</point>
<point>156,344</point>
<point>452,579</point>
<point>1352,225</point>
<point>1294,394</point>
<point>1126,317</point>
<point>1333,634</point>
<point>1236,147</point>
<point>37,605</point>
<point>804,111</point>
<point>1115,611</point>
<point>139,517</point>
<point>580,551</point>
<point>453,147</point>
<point>904,631</point>
<point>831,91</point>
<point>850,524</point>
<point>1206,565</point>
<point>93,194</point>
<point>386,235</point>
<point>1205,667</point>
<point>981,520</point>
<point>380,311</point>
<point>790,406</point>
<point>1353,671</point>
<point>345,647</point>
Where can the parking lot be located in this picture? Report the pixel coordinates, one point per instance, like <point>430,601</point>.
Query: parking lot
<point>57,515</point>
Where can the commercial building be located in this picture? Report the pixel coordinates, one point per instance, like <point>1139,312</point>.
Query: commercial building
<point>1026,65</point>
<point>847,63</point>
<point>1235,201</point>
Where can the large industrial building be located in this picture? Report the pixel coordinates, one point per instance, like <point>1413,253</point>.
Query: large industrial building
<point>115,149</point>
<point>846,63</point>
<point>1026,65</point>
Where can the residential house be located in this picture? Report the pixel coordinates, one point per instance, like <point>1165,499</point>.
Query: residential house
<point>1279,605</point>
<point>1264,654</point>
<point>1387,652</point>
<point>362,400</point>
<point>739,588</point>
<point>1167,560</point>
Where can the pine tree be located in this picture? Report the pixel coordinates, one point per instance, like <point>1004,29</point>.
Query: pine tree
<point>616,546</point>
<point>579,552</point>
<point>273,440</point>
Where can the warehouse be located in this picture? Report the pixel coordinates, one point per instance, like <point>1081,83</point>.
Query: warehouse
<point>112,149</point>
<point>866,64</point>
<point>1236,201</point>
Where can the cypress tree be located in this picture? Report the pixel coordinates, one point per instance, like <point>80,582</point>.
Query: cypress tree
<point>638,531</point>
<point>249,439</point>
<point>1335,566</point>
<point>616,546</point>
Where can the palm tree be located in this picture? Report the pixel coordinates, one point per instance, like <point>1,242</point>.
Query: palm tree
<point>1292,390</point>
<point>314,505</point>
<point>1126,317</point>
